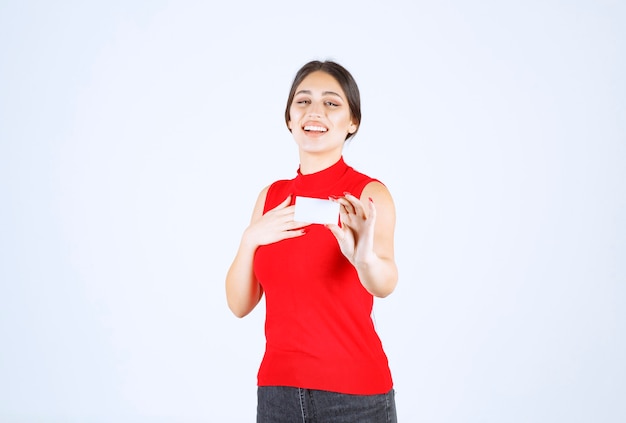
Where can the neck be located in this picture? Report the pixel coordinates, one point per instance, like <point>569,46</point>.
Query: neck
<point>310,163</point>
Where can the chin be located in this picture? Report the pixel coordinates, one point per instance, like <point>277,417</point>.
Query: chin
<point>317,145</point>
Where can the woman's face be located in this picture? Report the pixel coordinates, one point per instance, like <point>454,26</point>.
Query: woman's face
<point>320,117</point>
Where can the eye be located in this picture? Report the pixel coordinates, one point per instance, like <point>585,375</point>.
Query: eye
<point>302,101</point>
<point>331,104</point>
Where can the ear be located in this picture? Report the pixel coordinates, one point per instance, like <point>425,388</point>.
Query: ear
<point>352,128</point>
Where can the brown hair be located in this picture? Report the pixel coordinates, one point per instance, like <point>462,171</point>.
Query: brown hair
<point>342,76</point>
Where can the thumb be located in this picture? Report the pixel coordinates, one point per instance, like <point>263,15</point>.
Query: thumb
<point>335,230</point>
<point>371,208</point>
<point>285,203</point>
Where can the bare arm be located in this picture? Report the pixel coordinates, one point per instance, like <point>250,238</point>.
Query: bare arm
<point>243,291</point>
<point>367,237</point>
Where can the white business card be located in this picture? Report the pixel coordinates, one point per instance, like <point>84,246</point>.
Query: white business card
<point>316,210</point>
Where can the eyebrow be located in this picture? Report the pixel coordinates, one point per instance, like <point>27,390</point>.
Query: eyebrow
<point>323,93</point>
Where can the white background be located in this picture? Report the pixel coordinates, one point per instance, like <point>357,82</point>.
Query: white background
<point>135,136</point>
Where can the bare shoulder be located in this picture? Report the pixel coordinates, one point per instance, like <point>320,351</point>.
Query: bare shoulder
<point>379,193</point>
<point>260,204</point>
<point>385,217</point>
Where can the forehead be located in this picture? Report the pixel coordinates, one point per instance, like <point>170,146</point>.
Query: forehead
<point>320,81</point>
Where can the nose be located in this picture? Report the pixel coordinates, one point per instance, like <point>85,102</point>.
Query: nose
<point>315,110</point>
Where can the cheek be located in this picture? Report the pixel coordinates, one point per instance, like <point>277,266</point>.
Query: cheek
<point>296,116</point>
<point>293,117</point>
<point>345,122</point>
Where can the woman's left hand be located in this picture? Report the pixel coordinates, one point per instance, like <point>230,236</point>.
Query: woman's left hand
<point>356,234</point>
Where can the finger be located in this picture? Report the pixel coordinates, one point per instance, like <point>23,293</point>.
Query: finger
<point>282,215</point>
<point>284,204</point>
<point>292,234</point>
<point>346,205</point>
<point>371,208</point>
<point>357,205</point>
<point>292,225</point>
<point>346,219</point>
<point>286,212</point>
<point>336,231</point>
<point>359,209</point>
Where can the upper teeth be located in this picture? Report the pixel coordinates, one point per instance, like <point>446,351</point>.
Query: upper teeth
<point>315,128</point>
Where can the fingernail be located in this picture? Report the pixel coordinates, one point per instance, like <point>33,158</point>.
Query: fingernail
<point>370,198</point>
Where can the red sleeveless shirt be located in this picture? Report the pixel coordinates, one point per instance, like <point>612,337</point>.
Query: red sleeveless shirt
<point>318,327</point>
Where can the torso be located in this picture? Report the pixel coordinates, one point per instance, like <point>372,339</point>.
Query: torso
<point>319,330</point>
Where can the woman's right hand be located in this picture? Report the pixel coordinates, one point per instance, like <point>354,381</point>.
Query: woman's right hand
<point>275,225</point>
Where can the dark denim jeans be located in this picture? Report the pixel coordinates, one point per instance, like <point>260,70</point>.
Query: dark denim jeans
<point>279,404</point>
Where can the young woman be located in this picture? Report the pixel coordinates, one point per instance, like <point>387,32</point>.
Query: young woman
<point>323,361</point>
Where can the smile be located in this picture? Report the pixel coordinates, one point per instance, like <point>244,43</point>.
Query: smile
<point>311,128</point>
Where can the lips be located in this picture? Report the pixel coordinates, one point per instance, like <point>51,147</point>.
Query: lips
<point>314,127</point>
